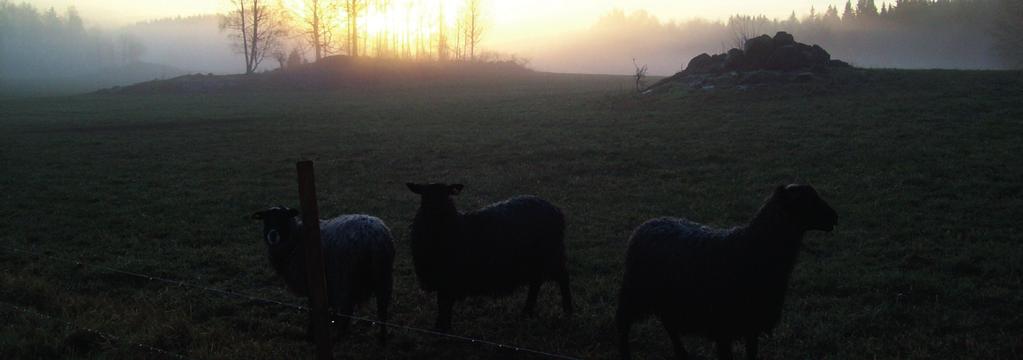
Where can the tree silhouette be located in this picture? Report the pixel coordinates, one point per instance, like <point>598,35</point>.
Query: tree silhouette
<point>745,27</point>
<point>639,75</point>
<point>472,26</point>
<point>257,28</point>
<point>831,16</point>
<point>866,9</point>
<point>317,24</point>
<point>442,36</point>
<point>354,10</point>
<point>848,15</point>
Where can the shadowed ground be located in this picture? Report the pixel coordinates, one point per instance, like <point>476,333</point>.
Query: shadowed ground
<point>922,167</point>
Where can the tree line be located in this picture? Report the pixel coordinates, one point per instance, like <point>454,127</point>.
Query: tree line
<point>263,29</point>
<point>47,43</point>
<point>950,34</point>
<point>952,28</point>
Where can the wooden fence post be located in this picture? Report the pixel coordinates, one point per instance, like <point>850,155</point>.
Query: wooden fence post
<point>314,260</point>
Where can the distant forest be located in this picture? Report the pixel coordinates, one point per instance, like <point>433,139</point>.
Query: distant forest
<point>917,34</point>
<point>48,52</point>
<point>907,33</point>
<point>34,42</point>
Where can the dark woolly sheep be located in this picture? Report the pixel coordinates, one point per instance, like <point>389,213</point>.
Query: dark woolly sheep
<point>721,284</point>
<point>489,252</point>
<point>358,254</point>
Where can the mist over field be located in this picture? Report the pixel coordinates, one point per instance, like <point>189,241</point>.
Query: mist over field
<point>47,50</point>
<point>528,179</point>
<point>939,36</point>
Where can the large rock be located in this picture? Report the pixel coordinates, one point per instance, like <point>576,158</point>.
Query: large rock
<point>719,62</point>
<point>783,39</point>
<point>838,64</point>
<point>735,60</point>
<point>758,50</point>
<point>760,77</point>
<point>818,55</point>
<point>700,64</point>
<point>785,58</point>
<point>763,60</point>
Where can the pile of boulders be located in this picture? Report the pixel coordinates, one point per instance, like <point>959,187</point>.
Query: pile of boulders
<point>763,59</point>
<point>780,53</point>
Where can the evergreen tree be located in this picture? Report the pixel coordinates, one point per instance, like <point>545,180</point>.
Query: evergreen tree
<point>831,16</point>
<point>848,15</point>
<point>866,9</point>
<point>792,22</point>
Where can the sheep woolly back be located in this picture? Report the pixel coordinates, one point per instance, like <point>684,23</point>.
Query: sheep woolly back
<point>491,251</point>
<point>720,283</point>
<point>358,251</point>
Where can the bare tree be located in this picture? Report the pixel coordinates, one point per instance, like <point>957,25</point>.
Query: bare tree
<point>257,27</point>
<point>281,57</point>
<point>472,26</point>
<point>353,9</point>
<point>317,25</point>
<point>295,59</point>
<point>640,75</point>
<point>745,27</point>
<point>442,36</point>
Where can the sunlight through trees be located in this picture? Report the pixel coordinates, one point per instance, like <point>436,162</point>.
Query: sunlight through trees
<point>407,29</point>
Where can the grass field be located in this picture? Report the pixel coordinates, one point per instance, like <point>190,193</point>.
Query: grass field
<point>923,168</point>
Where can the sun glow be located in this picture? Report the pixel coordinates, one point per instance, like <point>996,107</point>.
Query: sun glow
<point>412,29</point>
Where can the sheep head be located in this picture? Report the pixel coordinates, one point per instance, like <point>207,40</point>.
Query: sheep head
<point>435,190</point>
<point>277,225</point>
<point>805,208</point>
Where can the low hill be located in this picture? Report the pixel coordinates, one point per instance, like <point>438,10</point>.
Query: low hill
<point>330,73</point>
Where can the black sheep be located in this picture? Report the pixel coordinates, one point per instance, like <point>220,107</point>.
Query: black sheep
<point>358,257</point>
<point>722,284</point>
<point>489,252</point>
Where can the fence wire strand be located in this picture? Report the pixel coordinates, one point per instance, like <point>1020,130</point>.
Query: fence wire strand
<point>102,334</point>
<point>284,304</point>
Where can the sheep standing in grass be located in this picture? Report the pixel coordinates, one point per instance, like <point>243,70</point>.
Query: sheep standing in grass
<point>722,284</point>
<point>358,254</point>
<point>489,252</point>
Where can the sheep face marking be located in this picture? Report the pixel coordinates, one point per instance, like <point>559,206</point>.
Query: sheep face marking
<point>276,224</point>
<point>807,208</point>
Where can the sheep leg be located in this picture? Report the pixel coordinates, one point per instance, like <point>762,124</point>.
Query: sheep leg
<point>751,347</point>
<point>566,293</point>
<point>346,309</point>
<point>676,342</point>
<point>624,322</point>
<point>310,334</point>
<point>724,348</point>
<point>534,288</point>
<point>383,294</point>
<point>444,304</point>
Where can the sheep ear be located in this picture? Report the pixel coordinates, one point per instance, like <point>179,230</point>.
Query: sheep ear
<point>455,189</point>
<point>293,212</point>
<point>416,188</point>
<point>257,216</point>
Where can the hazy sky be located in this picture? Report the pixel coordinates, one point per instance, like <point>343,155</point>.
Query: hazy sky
<point>505,14</point>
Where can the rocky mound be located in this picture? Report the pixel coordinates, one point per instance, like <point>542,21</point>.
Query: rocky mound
<point>763,60</point>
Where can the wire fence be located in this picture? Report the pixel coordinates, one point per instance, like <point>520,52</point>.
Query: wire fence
<point>102,334</point>
<point>234,294</point>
